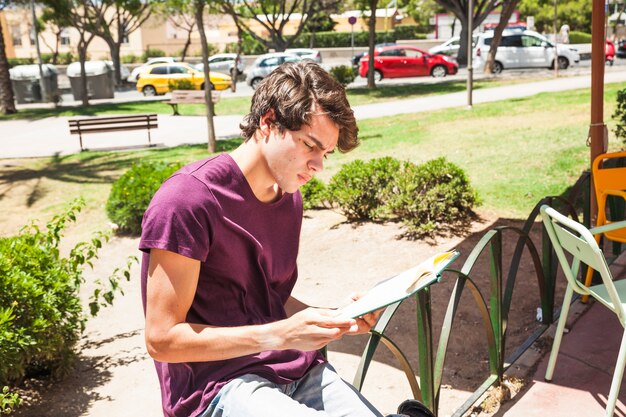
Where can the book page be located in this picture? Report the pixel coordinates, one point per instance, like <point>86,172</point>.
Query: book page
<point>399,287</point>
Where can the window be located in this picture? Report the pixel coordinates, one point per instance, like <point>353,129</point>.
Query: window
<point>392,52</point>
<point>269,62</point>
<point>177,69</point>
<point>411,53</point>
<point>159,70</point>
<point>65,37</point>
<point>529,41</point>
<point>514,40</point>
<point>32,37</point>
<point>16,35</point>
<point>291,59</point>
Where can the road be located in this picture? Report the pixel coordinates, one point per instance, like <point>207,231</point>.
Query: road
<point>243,90</point>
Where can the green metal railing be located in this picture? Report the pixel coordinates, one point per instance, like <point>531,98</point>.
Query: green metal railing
<point>494,307</point>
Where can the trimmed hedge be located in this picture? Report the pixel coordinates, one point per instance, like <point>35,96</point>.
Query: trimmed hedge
<point>579,37</point>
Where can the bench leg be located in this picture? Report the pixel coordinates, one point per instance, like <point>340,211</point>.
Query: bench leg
<point>175,109</point>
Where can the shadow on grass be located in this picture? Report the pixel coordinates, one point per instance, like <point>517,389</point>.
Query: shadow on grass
<point>95,167</point>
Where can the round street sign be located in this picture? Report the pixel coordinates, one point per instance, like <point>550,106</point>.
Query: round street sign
<point>352,20</point>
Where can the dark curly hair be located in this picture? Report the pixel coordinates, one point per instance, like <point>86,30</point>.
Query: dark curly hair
<point>292,90</point>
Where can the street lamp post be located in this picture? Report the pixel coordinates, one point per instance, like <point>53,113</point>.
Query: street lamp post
<point>470,68</point>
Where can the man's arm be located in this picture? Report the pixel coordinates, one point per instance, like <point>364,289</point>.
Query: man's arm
<point>171,287</point>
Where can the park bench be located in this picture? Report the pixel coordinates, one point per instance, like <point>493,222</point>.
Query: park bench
<point>112,124</point>
<point>190,97</point>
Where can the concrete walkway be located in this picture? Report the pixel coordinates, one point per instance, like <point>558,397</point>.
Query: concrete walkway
<point>50,136</point>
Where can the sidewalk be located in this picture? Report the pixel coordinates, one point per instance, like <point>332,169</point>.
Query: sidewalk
<point>50,136</point>
<point>584,368</point>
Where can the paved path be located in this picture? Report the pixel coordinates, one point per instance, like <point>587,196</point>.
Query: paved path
<point>50,136</point>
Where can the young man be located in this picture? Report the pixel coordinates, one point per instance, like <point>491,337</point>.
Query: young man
<point>220,242</point>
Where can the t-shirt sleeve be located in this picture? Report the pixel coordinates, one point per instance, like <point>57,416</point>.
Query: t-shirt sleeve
<point>178,218</point>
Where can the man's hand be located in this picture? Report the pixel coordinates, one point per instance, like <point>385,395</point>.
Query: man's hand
<point>364,323</point>
<point>309,329</point>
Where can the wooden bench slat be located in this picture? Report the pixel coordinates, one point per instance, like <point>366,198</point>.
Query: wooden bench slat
<point>113,124</point>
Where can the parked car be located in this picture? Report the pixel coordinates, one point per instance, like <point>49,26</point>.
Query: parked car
<point>223,63</point>
<point>265,64</point>
<point>450,47</point>
<point>523,49</point>
<point>305,53</point>
<point>134,74</point>
<point>356,58</point>
<point>155,79</point>
<point>407,61</point>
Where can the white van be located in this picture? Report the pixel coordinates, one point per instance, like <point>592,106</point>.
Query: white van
<point>523,49</point>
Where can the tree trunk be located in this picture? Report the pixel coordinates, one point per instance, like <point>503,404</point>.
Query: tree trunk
<point>199,11</point>
<point>508,7</point>
<point>183,54</point>
<point>462,56</point>
<point>115,47</point>
<point>371,83</point>
<point>82,57</point>
<point>7,98</point>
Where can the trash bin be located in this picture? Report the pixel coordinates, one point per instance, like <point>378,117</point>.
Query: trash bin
<point>100,79</point>
<point>26,86</point>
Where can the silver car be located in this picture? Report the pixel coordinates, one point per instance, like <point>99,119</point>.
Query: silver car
<point>223,63</point>
<point>267,63</point>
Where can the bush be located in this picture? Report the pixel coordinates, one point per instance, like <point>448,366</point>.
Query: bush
<point>313,194</point>
<point>41,314</point>
<point>20,61</point>
<point>130,59</point>
<point>406,31</point>
<point>344,74</point>
<point>360,188</point>
<point>579,37</point>
<point>132,192</point>
<point>620,116</point>
<point>181,84</point>
<point>152,53</point>
<point>429,194</point>
<point>341,39</point>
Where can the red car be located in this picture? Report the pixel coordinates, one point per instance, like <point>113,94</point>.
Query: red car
<point>407,61</point>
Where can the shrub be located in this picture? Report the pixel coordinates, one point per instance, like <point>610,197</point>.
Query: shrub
<point>130,59</point>
<point>341,39</point>
<point>579,37</point>
<point>620,116</point>
<point>360,188</point>
<point>152,53</point>
<point>132,192</point>
<point>181,84</point>
<point>343,73</point>
<point>20,61</point>
<point>406,31</point>
<point>426,195</point>
<point>313,194</point>
<point>41,314</point>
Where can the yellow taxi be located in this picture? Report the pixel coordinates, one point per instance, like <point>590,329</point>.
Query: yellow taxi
<point>155,79</point>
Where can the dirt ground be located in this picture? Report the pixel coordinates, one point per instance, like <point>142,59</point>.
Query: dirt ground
<point>114,375</point>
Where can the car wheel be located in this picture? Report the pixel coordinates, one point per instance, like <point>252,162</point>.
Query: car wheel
<point>439,71</point>
<point>497,67</point>
<point>563,62</point>
<point>255,83</point>
<point>149,91</point>
<point>378,75</point>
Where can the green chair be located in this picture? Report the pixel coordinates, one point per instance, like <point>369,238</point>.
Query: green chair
<point>571,237</point>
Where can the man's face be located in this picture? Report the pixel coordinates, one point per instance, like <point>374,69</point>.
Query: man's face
<point>294,156</point>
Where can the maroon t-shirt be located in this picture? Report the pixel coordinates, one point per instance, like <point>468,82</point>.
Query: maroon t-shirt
<point>248,249</point>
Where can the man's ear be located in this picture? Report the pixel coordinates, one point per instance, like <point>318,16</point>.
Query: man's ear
<point>267,122</point>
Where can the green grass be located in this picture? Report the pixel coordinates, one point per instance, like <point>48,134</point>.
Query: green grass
<point>514,151</point>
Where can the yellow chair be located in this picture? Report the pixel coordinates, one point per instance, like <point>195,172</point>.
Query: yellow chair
<point>607,181</point>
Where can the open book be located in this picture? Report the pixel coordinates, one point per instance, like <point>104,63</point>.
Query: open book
<point>400,286</point>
